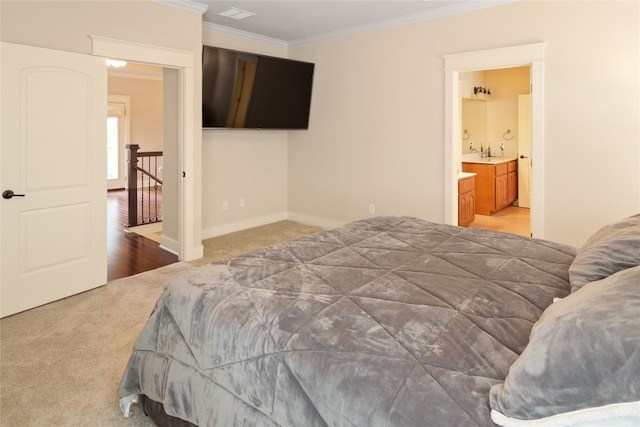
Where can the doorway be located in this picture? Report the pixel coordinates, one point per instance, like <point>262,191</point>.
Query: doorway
<point>185,220</point>
<point>525,55</point>
<point>498,122</point>
<point>134,231</point>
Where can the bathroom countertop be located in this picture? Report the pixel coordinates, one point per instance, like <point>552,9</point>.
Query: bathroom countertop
<point>473,158</point>
<point>463,175</point>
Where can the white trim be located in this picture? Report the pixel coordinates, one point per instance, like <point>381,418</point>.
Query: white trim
<point>244,34</point>
<point>143,53</point>
<point>185,62</point>
<point>516,56</point>
<point>169,245</point>
<point>315,220</point>
<point>243,225</point>
<point>448,10</point>
<point>136,74</point>
<point>188,5</point>
<point>491,59</point>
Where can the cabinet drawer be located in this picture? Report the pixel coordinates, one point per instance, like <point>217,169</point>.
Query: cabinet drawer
<point>501,169</point>
<point>512,166</point>
<point>466,185</point>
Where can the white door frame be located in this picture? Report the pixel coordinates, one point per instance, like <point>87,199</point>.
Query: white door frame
<point>189,220</point>
<point>524,55</point>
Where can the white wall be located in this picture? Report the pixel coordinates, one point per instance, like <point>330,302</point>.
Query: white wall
<point>146,109</point>
<point>377,123</point>
<point>243,164</point>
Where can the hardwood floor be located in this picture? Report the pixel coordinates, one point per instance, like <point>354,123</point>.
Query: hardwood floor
<point>129,253</point>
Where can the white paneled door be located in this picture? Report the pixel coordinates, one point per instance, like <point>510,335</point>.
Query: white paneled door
<point>53,159</point>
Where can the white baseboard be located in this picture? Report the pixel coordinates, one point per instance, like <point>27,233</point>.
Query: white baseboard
<point>169,245</point>
<point>242,225</point>
<point>270,219</point>
<point>314,220</point>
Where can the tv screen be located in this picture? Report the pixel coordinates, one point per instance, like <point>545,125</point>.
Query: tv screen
<point>250,91</point>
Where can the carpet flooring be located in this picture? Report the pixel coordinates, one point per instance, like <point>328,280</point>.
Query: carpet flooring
<point>61,363</point>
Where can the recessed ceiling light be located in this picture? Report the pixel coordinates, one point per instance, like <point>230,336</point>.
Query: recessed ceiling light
<point>115,63</point>
<point>235,13</point>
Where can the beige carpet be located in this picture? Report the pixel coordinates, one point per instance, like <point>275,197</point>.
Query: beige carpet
<point>244,241</point>
<point>60,364</point>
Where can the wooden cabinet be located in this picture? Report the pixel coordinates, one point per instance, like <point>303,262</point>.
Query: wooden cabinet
<point>496,185</point>
<point>466,201</point>
<point>512,184</point>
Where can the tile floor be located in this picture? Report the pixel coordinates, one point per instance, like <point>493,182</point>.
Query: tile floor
<point>511,220</point>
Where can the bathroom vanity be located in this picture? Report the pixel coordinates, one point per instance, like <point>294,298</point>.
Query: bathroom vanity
<point>496,183</point>
<point>466,198</point>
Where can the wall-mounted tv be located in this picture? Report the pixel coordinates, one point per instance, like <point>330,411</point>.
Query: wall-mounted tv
<point>250,91</point>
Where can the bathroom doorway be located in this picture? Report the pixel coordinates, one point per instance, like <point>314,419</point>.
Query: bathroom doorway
<point>495,119</point>
<point>531,55</point>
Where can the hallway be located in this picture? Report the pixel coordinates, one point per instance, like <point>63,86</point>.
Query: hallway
<point>129,253</point>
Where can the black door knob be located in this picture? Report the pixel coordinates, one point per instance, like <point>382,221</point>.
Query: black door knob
<point>522,156</point>
<point>8,194</point>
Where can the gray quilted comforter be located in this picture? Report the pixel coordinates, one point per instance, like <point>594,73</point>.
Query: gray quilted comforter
<point>388,321</point>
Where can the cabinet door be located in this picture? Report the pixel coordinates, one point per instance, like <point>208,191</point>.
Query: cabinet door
<point>501,191</point>
<point>485,185</point>
<point>471,207</point>
<point>512,187</point>
<point>466,208</point>
<point>463,221</point>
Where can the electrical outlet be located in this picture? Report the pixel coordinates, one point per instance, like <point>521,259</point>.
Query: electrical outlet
<point>242,202</point>
<point>372,209</point>
<point>225,205</point>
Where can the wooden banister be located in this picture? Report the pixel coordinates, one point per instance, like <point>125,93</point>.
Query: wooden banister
<point>134,156</point>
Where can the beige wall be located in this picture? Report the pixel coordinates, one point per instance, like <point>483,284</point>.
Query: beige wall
<point>502,110</point>
<point>377,120</point>
<point>68,25</point>
<point>146,109</point>
<point>243,164</point>
<point>489,120</point>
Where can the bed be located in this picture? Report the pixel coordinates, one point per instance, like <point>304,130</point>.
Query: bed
<point>397,321</point>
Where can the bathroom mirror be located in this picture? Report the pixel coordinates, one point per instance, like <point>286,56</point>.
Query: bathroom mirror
<point>474,125</point>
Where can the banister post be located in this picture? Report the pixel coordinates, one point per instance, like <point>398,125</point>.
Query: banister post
<point>132,183</point>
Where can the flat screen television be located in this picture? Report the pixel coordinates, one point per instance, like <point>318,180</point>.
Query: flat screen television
<point>250,91</point>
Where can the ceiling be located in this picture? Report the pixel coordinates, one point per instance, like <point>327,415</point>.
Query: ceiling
<point>301,21</point>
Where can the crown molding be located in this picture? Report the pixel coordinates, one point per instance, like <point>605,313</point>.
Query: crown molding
<point>244,34</point>
<point>449,10</point>
<point>188,5</point>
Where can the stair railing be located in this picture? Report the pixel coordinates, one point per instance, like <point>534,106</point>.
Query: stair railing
<point>143,169</point>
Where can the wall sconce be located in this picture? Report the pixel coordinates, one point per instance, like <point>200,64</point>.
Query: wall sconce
<point>481,93</point>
